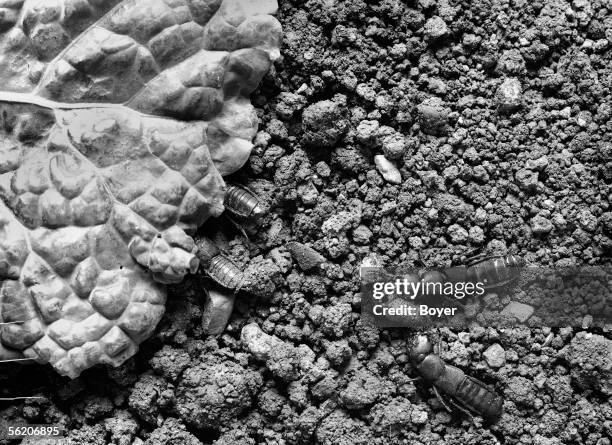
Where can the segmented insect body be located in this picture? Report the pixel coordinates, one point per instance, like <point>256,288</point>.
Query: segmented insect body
<point>241,202</point>
<point>494,271</point>
<point>225,272</point>
<point>216,265</point>
<point>467,392</point>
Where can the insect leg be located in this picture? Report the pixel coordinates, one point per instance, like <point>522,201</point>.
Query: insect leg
<point>463,410</point>
<point>470,261</point>
<point>439,397</point>
<point>237,226</point>
<point>438,346</point>
<point>11,360</point>
<point>420,259</point>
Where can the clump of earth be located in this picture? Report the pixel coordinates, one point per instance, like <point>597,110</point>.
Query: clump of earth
<point>409,131</point>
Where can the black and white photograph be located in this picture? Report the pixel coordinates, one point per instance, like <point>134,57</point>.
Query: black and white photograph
<point>305,222</point>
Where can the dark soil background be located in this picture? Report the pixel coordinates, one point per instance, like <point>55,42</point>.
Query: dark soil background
<point>498,116</point>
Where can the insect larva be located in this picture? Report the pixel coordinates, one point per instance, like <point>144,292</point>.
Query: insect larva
<point>468,393</point>
<point>216,265</point>
<point>225,272</point>
<point>495,271</point>
<point>241,202</point>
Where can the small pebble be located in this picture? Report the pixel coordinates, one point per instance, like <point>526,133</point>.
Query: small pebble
<point>520,311</point>
<point>387,169</point>
<point>288,104</point>
<point>419,417</point>
<point>527,179</point>
<point>509,95</point>
<point>477,235</point>
<point>367,131</point>
<point>308,193</point>
<point>495,356</point>
<point>324,123</point>
<point>541,225</point>
<point>433,116</point>
<point>511,62</point>
<point>323,169</point>
<point>457,233</point>
<point>435,28</point>
<point>257,341</point>
<point>371,268</point>
<point>362,235</point>
<point>393,145</point>
<point>538,164</point>
<point>464,337</point>
<point>372,260</point>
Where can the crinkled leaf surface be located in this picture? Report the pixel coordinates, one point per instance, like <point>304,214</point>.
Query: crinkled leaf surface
<point>118,120</point>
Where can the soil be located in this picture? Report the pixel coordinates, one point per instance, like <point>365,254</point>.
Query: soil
<point>498,117</point>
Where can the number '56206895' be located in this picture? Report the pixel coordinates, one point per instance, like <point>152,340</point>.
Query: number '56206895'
<point>14,431</point>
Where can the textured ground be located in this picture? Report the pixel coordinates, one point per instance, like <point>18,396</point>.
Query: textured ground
<point>502,134</point>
